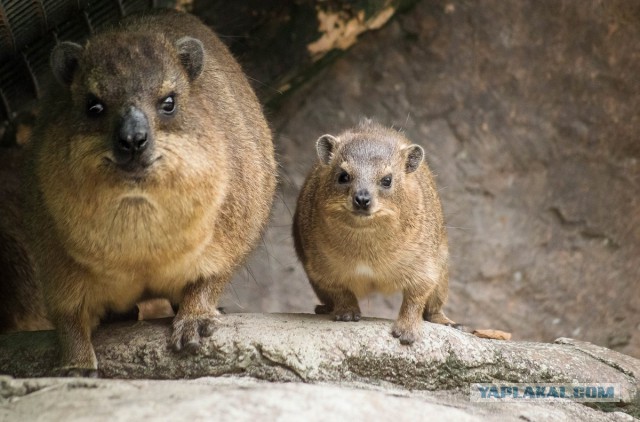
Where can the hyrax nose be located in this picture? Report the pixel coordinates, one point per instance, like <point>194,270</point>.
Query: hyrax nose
<point>362,199</point>
<point>134,141</point>
<point>132,137</point>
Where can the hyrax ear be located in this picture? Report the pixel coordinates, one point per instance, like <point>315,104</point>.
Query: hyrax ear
<point>64,61</point>
<point>415,155</point>
<point>326,147</point>
<point>191,52</point>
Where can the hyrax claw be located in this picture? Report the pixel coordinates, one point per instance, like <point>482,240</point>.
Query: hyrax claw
<point>188,333</point>
<point>347,316</point>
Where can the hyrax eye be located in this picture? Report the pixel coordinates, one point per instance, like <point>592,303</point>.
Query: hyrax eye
<point>344,177</point>
<point>386,181</point>
<point>168,105</point>
<point>95,107</point>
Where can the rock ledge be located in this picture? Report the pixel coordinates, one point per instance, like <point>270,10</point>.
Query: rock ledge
<point>312,349</point>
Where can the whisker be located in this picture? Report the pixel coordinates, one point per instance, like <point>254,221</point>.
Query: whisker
<point>458,228</point>
<point>247,267</point>
<point>236,298</point>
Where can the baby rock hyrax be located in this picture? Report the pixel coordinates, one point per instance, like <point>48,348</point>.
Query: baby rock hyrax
<point>152,175</point>
<point>369,219</point>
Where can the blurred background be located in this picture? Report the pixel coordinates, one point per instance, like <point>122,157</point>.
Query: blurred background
<point>529,113</point>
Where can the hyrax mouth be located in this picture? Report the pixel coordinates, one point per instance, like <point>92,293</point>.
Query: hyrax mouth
<point>136,169</point>
<point>362,213</point>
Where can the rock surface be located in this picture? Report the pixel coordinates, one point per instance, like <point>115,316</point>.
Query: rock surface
<point>224,399</point>
<point>313,349</point>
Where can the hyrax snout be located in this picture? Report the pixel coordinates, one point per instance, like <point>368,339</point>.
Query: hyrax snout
<point>369,219</point>
<point>152,175</point>
<point>133,146</point>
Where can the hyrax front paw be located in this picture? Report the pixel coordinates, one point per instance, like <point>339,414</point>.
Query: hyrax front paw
<point>347,315</point>
<point>189,330</point>
<point>407,334</point>
<point>75,372</point>
<point>323,309</point>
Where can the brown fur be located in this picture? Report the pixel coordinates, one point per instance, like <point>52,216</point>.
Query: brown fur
<point>21,304</point>
<point>102,241</point>
<point>400,246</point>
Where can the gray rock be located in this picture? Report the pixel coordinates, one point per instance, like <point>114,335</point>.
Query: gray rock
<point>313,349</point>
<point>229,399</point>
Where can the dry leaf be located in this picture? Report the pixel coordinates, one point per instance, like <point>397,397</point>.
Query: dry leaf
<point>492,334</point>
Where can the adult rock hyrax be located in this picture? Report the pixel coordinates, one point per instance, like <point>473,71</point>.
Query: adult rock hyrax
<point>369,219</point>
<point>152,175</point>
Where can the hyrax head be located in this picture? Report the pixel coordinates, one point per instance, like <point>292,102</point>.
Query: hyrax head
<point>125,90</point>
<point>367,170</point>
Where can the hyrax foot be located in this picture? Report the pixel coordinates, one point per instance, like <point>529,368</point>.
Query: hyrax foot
<point>407,334</point>
<point>189,330</point>
<point>78,358</point>
<point>323,309</point>
<point>347,315</point>
<point>74,372</point>
<point>441,318</point>
<point>345,306</point>
<point>438,318</point>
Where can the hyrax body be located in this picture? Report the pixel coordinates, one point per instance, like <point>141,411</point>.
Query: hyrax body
<point>152,175</point>
<point>369,219</point>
